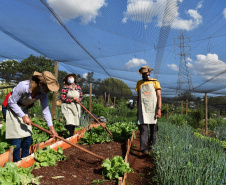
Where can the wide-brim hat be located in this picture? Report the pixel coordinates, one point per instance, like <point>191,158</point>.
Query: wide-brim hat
<point>66,77</point>
<point>144,69</point>
<point>49,79</point>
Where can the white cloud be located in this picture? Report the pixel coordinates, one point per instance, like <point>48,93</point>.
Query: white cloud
<point>146,10</point>
<point>209,66</point>
<point>189,59</point>
<point>87,10</point>
<point>173,67</point>
<point>224,13</point>
<point>143,10</point>
<point>190,65</point>
<point>199,5</point>
<point>194,22</point>
<point>135,62</point>
<point>85,75</point>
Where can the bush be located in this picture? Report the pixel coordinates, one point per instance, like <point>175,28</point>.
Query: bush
<point>220,132</point>
<point>178,119</point>
<point>200,124</point>
<point>198,114</point>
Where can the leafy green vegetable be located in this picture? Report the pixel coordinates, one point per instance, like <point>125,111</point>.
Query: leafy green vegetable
<point>4,144</point>
<point>115,168</point>
<point>120,131</point>
<point>39,136</point>
<point>48,156</point>
<point>11,174</point>
<point>95,135</point>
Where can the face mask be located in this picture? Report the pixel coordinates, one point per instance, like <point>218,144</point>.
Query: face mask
<point>145,77</point>
<point>71,80</point>
<point>42,90</point>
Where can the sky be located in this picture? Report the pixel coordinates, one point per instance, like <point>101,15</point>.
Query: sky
<point>184,41</point>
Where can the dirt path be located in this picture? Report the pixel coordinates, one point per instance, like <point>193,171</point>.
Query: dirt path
<point>142,165</point>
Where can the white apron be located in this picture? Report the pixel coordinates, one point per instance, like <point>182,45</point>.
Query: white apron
<point>15,127</point>
<point>147,104</point>
<point>71,111</point>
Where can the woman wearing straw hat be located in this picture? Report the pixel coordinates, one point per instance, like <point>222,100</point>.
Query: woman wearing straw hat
<point>70,94</point>
<point>18,123</point>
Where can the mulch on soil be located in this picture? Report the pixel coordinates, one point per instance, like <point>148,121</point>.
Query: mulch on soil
<point>81,168</point>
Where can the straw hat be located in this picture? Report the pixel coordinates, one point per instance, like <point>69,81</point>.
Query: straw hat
<point>49,79</point>
<point>66,77</point>
<point>144,69</point>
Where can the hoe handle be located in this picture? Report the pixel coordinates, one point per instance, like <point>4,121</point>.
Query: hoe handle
<point>68,142</point>
<point>96,120</point>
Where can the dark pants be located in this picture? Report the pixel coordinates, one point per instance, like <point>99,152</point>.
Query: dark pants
<point>25,144</point>
<point>145,143</point>
<point>4,112</point>
<point>71,129</point>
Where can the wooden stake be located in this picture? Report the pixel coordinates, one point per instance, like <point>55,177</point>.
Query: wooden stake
<point>11,149</point>
<point>108,98</point>
<point>114,101</point>
<point>38,144</point>
<point>186,107</point>
<point>120,181</point>
<point>55,93</point>
<point>167,111</point>
<point>105,97</point>
<point>90,99</point>
<point>181,107</point>
<point>206,114</point>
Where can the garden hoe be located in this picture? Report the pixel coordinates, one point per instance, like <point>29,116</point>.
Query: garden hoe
<point>68,142</point>
<point>96,120</point>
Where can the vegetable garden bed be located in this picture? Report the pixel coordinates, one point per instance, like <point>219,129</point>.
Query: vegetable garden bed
<point>83,168</point>
<point>80,167</point>
<point>77,135</point>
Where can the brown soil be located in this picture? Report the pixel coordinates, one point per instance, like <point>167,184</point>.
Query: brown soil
<point>142,165</point>
<point>81,168</point>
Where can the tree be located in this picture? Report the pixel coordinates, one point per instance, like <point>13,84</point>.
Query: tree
<point>13,71</point>
<point>33,63</point>
<point>84,83</point>
<point>186,96</point>
<point>61,75</point>
<point>115,87</point>
<point>9,71</point>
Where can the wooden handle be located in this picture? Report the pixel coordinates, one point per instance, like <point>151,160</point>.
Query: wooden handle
<point>96,120</point>
<point>66,141</point>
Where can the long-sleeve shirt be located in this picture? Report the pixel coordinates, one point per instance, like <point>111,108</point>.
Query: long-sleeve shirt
<point>64,91</point>
<point>21,90</point>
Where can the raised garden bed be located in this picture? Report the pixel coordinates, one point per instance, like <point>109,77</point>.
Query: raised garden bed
<point>77,135</point>
<point>83,168</point>
<point>80,167</point>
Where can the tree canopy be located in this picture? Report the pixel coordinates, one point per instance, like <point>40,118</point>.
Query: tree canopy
<point>115,86</point>
<point>12,71</point>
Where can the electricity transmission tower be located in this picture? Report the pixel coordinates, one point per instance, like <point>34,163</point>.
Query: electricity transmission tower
<point>184,81</point>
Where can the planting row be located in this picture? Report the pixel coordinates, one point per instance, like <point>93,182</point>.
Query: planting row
<point>183,158</point>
